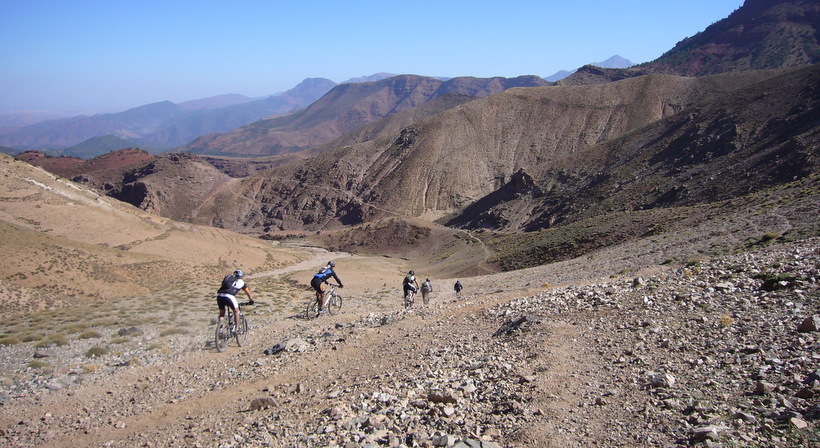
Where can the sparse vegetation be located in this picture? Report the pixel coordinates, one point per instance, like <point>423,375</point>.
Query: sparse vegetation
<point>96,351</point>
<point>38,364</point>
<point>173,331</point>
<point>53,340</point>
<point>9,340</point>
<point>90,334</point>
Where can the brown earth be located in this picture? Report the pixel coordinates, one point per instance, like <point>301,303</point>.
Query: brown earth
<point>598,326</point>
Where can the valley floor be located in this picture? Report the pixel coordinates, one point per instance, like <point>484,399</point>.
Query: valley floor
<point>716,352</point>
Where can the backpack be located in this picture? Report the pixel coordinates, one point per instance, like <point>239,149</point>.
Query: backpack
<point>229,285</point>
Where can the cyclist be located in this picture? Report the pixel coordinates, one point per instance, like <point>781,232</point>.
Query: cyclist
<point>426,289</point>
<point>226,296</point>
<point>410,283</point>
<point>320,280</point>
<point>457,288</point>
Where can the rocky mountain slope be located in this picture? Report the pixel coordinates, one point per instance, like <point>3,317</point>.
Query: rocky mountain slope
<point>463,154</point>
<point>73,246</point>
<point>346,108</point>
<point>615,348</point>
<point>761,34</point>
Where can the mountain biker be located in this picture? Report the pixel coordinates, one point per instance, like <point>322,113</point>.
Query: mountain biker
<point>226,296</point>
<point>457,288</point>
<point>319,281</point>
<point>410,283</point>
<point>426,289</point>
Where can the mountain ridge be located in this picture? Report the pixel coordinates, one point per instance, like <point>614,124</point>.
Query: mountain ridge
<point>164,124</point>
<point>343,109</point>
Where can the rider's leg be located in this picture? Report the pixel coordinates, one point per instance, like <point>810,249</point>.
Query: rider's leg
<point>221,304</point>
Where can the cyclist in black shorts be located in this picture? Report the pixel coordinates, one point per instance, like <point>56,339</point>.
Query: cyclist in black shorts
<point>226,296</point>
<point>320,279</point>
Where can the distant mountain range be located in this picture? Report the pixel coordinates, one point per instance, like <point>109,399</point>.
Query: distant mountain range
<point>346,108</point>
<point>165,126</point>
<point>613,62</point>
<point>541,171</point>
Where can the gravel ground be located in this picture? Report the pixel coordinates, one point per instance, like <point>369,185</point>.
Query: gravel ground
<point>720,352</point>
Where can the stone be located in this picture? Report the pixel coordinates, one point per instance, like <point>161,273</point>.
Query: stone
<point>763,388</point>
<point>798,423</point>
<point>706,432</point>
<point>660,379</point>
<point>809,324</point>
<point>258,404</point>
<point>291,345</point>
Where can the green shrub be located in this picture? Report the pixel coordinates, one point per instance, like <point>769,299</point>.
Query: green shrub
<point>31,337</point>
<point>54,339</point>
<point>769,236</point>
<point>9,340</point>
<point>37,364</point>
<point>90,334</point>
<point>94,352</point>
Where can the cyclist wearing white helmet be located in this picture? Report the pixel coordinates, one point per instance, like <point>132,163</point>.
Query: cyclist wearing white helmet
<point>320,279</point>
<point>410,283</point>
<point>226,296</point>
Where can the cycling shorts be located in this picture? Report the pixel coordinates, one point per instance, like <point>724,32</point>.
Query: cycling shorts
<point>318,284</point>
<point>226,300</point>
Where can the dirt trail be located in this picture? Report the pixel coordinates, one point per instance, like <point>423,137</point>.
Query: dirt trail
<point>194,399</point>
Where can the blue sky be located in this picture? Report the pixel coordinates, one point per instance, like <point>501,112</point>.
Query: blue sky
<point>115,54</point>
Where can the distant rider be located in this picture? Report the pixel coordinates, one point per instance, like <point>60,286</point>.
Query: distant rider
<point>426,289</point>
<point>320,280</point>
<point>410,283</point>
<point>226,296</point>
<point>457,288</point>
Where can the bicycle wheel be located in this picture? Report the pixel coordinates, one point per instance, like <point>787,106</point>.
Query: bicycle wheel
<point>242,331</point>
<point>312,311</point>
<point>223,335</point>
<point>334,304</point>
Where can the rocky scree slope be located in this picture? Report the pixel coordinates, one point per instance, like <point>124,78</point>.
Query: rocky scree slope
<point>716,352</point>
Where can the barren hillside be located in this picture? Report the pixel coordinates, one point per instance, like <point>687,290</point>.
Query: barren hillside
<point>460,155</point>
<point>616,348</point>
<point>761,34</point>
<point>344,109</point>
<point>71,244</point>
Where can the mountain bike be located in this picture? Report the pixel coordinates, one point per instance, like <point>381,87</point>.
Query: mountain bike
<point>226,329</point>
<point>333,304</point>
<point>409,299</point>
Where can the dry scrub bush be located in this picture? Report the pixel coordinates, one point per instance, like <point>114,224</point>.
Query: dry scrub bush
<point>90,334</point>
<point>9,340</point>
<point>172,331</point>
<point>94,352</point>
<point>54,339</point>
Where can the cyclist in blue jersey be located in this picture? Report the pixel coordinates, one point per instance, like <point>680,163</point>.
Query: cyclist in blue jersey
<point>320,280</point>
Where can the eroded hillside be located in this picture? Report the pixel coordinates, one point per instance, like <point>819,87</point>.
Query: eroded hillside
<point>440,165</point>
<point>71,244</point>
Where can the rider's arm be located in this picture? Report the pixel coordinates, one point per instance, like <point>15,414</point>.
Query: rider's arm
<point>338,281</point>
<point>248,293</point>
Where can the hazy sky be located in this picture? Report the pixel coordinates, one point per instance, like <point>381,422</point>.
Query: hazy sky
<point>111,55</point>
